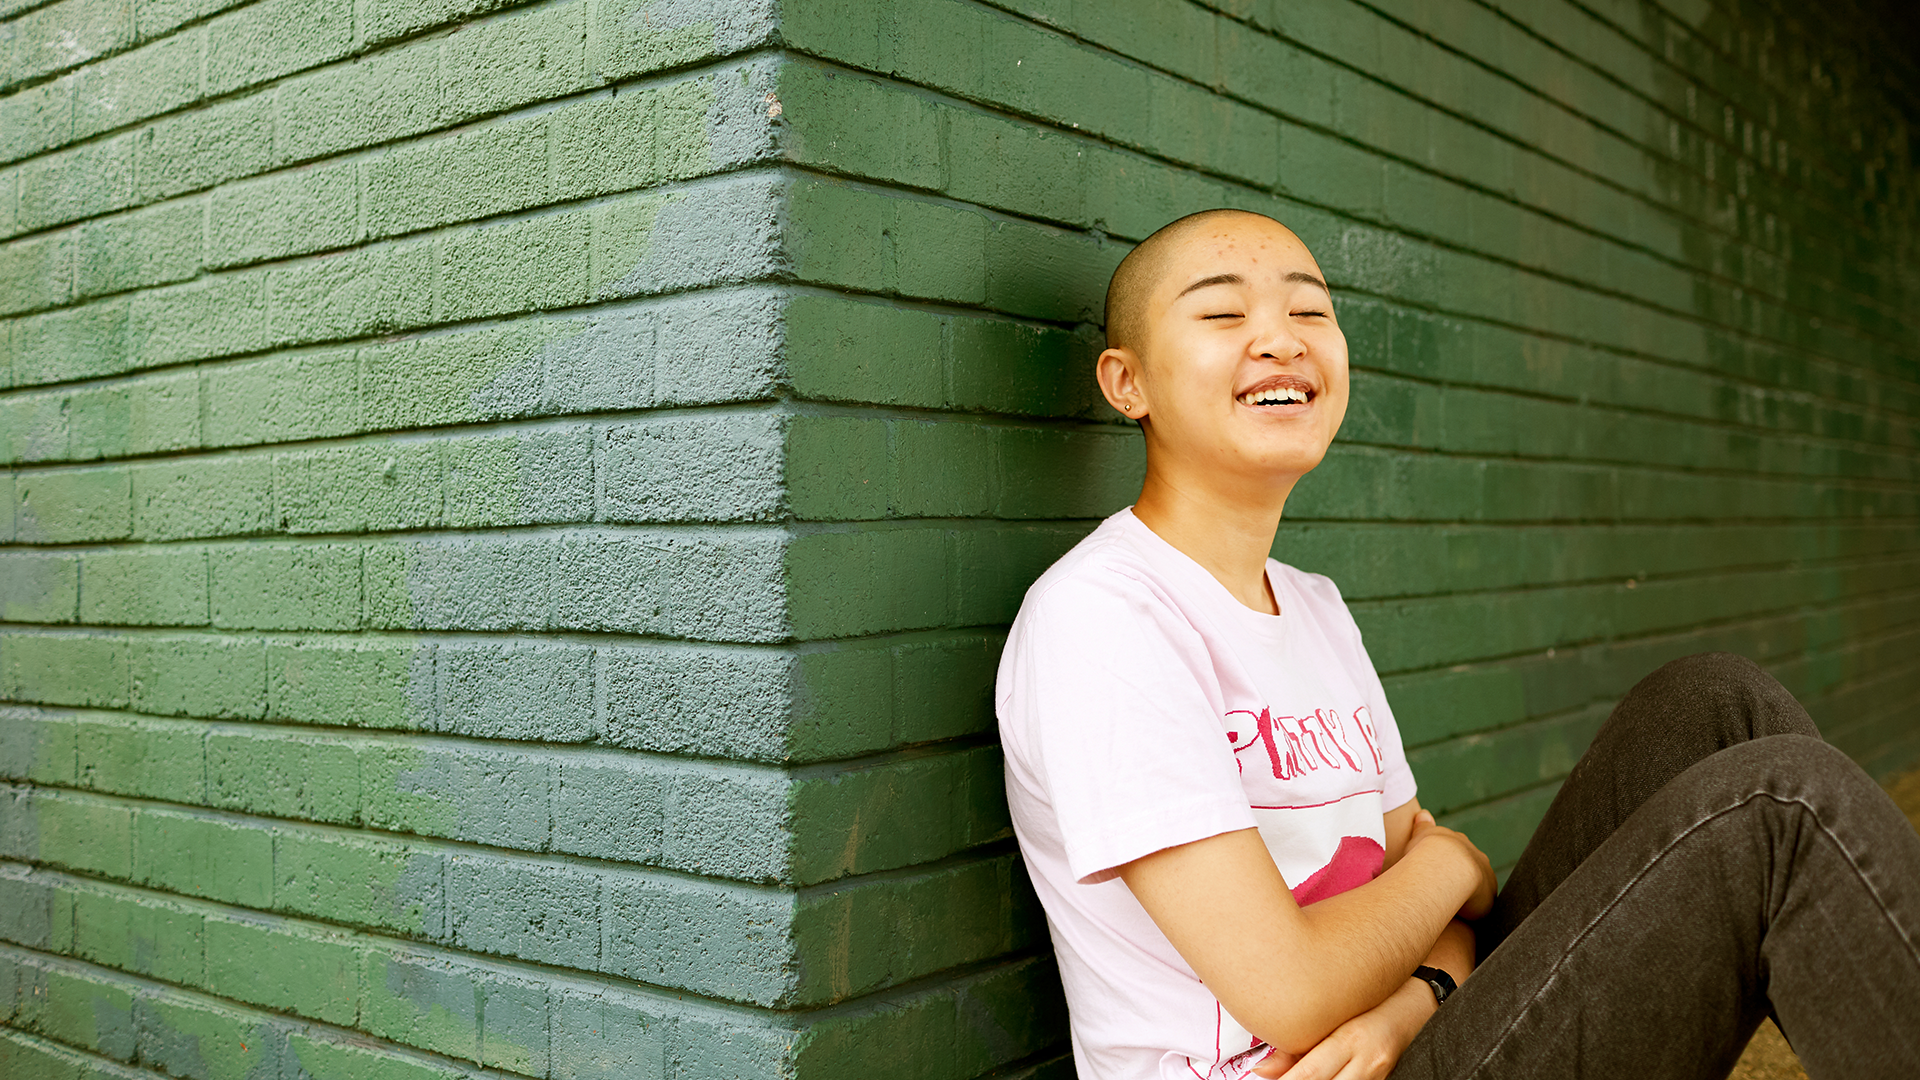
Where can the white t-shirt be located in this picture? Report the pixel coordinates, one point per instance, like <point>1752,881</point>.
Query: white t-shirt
<point>1141,707</point>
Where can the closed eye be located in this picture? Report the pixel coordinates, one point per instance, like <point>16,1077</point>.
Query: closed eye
<point>1222,315</point>
<point>1321,314</point>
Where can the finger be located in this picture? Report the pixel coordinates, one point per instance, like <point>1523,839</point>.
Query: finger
<point>1425,817</point>
<point>1322,1062</point>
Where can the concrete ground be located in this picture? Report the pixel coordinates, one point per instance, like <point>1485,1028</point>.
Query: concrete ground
<point>1768,1056</point>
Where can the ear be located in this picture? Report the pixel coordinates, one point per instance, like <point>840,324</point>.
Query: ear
<point>1118,372</point>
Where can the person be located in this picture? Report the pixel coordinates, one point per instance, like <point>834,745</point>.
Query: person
<point>1215,809</point>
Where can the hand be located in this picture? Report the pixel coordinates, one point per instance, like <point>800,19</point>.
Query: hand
<point>1481,902</point>
<point>1365,1047</point>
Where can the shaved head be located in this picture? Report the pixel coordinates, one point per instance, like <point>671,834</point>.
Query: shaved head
<point>1144,267</point>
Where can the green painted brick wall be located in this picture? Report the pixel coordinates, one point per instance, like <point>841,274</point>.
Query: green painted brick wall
<point>508,511</point>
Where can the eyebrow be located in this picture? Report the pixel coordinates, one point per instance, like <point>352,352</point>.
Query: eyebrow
<point>1236,279</point>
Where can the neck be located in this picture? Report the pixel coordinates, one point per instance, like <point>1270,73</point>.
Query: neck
<point>1227,533</point>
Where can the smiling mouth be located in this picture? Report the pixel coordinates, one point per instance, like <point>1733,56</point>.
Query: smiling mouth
<point>1276,394</point>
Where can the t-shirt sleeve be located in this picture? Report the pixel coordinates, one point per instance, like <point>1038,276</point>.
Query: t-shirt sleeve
<point>1396,775</point>
<point>1115,720</point>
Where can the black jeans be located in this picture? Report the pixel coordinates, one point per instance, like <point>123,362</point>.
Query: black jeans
<point>1709,861</point>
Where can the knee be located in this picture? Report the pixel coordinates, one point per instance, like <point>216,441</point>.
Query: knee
<point>1715,669</point>
<point>1790,766</point>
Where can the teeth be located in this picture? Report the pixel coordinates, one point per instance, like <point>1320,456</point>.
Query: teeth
<point>1281,396</point>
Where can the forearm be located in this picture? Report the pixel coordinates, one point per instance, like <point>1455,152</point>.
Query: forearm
<point>1361,946</point>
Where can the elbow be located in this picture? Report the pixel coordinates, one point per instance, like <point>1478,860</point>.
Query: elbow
<point>1292,1027</point>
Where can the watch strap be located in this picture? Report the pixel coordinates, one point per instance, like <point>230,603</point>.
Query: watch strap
<point>1439,981</point>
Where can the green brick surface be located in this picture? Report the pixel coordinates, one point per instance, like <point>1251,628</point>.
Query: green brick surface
<point>510,511</point>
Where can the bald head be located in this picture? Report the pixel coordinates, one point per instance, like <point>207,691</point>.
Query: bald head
<point>1145,266</point>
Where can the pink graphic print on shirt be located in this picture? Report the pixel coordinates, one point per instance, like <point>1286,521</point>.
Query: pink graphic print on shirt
<point>1356,861</point>
<point>1294,745</point>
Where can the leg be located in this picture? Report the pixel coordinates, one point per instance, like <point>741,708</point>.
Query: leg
<point>1774,872</point>
<point>1675,717</point>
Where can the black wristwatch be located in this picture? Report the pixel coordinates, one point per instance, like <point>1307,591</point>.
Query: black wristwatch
<point>1439,981</point>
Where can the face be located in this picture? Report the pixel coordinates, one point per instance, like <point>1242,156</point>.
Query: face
<point>1241,372</point>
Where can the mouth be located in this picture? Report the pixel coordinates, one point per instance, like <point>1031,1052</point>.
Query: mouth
<point>1289,393</point>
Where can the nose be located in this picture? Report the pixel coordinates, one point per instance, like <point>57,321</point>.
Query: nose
<point>1277,341</point>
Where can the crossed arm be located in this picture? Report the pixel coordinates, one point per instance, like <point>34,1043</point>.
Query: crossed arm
<point>1328,986</point>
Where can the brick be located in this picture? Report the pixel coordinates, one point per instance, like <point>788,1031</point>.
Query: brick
<point>147,247</point>
<point>842,350</point>
<point>39,587</point>
<point>511,907</point>
<point>726,941</point>
<point>384,20</point>
<point>315,1058</point>
<point>604,1035</point>
<point>74,343</point>
<point>495,797</point>
<point>860,125</point>
<point>473,173</point>
<point>423,1001</point>
<point>97,419</point>
<point>840,237</point>
<point>500,63</point>
<point>1009,367</point>
<point>36,272</point>
<point>715,589</point>
<point>718,233</point>
<point>977,909</point>
<point>142,757</point>
<point>139,933</point>
<point>517,691</point>
<point>728,823</point>
<point>609,808</point>
<point>35,119</point>
<point>693,469</point>
<point>388,94</point>
<point>624,41</point>
<point>1051,474</point>
<point>198,675</point>
<point>63,35</point>
<point>945,469</point>
<point>197,855</point>
<point>68,1007</point>
<point>179,1034</point>
<point>289,213</point>
<point>361,488</point>
<point>285,587</point>
<point>178,498</point>
<point>266,961</point>
<point>282,398</point>
<point>279,775</point>
<point>903,575</point>
<point>214,316</point>
<point>163,413</point>
<point>720,703</point>
<point>64,669</point>
<point>84,834</point>
<point>264,40</point>
<point>370,290</point>
<point>352,683</point>
<point>360,881</point>
<point>38,746</point>
<point>158,77</point>
<point>203,147</point>
<point>524,265</point>
<point>839,469</point>
<point>463,584</point>
<point>69,505</point>
<point>536,477</point>
<point>35,427</point>
<point>27,914</point>
<point>454,378</point>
